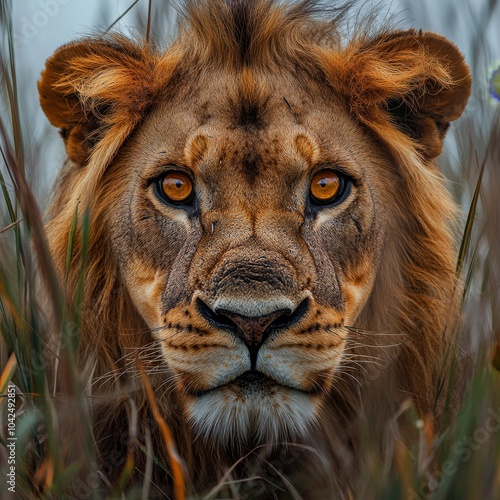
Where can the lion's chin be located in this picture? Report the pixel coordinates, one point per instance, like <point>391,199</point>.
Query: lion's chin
<point>253,412</point>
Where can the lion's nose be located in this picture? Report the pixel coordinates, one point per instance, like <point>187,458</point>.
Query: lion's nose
<point>253,330</point>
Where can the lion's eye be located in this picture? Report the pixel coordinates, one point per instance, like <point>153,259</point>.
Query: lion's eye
<point>176,187</point>
<point>327,187</point>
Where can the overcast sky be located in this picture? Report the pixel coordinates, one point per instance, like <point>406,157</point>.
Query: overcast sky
<point>40,26</point>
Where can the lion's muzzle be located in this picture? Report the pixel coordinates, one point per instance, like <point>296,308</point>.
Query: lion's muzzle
<point>252,348</point>
<point>253,330</point>
<point>252,292</point>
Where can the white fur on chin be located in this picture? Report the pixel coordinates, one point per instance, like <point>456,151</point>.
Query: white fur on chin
<point>254,416</point>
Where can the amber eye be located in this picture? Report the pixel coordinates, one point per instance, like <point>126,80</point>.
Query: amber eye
<point>326,186</point>
<point>176,187</point>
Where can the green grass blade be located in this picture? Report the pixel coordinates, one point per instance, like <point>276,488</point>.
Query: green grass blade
<point>467,235</point>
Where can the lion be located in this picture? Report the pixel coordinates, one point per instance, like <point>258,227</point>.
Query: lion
<point>270,238</point>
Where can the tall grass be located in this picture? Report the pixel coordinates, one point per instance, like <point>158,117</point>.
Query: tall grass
<point>467,452</point>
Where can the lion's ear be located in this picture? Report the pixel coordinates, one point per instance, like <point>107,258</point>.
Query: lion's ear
<point>414,81</point>
<point>91,86</point>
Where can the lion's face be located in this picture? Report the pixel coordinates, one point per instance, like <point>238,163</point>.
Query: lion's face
<point>260,195</point>
<point>250,244</point>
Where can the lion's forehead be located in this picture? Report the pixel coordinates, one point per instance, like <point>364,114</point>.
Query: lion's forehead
<point>223,126</point>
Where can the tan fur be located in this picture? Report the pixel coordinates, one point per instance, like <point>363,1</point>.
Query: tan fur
<point>250,101</point>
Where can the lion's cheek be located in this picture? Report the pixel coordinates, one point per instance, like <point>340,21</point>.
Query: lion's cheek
<point>145,287</point>
<point>355,298</point>
<point>356,287</point>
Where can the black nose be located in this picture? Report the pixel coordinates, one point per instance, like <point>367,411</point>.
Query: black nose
<point>253,330</point>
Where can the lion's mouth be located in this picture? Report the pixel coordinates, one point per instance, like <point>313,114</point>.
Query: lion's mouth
<point>251,381</point>
<point>251,377</point>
